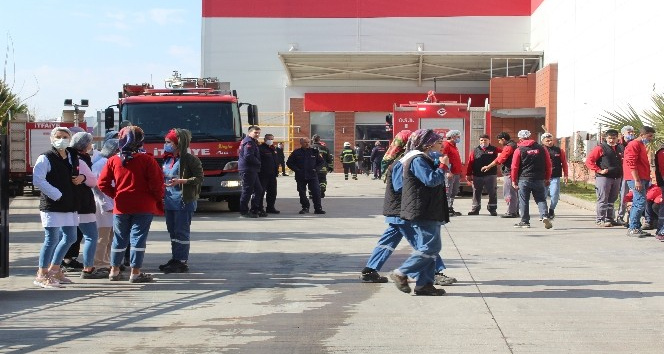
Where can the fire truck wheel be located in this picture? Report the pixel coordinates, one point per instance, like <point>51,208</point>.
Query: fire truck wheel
<point>234,204</point>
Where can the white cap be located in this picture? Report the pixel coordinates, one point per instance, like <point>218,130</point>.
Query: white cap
<point>523,134</point>
<point>546,135</point>
<point>346,143</point>
<point>452,133</point>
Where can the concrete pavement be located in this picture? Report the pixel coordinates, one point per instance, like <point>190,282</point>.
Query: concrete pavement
<point>289,284</point>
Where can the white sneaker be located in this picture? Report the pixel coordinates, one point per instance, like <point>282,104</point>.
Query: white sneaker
<point>547,223</point>
<point>47,282</point>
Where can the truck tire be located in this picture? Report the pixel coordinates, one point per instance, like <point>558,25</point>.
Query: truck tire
<point>234,204</point>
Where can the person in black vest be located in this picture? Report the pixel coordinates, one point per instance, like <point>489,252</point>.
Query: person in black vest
<point>483,155</point>
<point>282,159</point>
<point>505,159</point>
<point>81,145</point>
<point>55,174</point>
<point>328,165</point>
<point>606,160</point>
<point>531,168</point>
<point>268,175</point>
<point>306,162</point>
<point>558,170</point>
<point>376,158</point>
<point>249,163</point>
<point>424,207</point>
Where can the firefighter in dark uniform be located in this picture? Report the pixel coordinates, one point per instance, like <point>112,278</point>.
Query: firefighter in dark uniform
<point>483,155</point>
<point>249,164</point>
<point>328,163</point>
<point>348,159</point>
<point>268,175</point>
<point>306,162</point>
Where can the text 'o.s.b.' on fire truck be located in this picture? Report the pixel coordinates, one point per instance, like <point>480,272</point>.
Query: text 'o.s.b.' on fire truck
<point>203,106</point>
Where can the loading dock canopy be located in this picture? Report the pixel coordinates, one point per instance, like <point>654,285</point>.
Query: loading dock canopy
<point>407,66</point>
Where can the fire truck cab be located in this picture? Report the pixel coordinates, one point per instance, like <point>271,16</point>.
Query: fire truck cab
<point>211,115</point>
<point>443,117</point>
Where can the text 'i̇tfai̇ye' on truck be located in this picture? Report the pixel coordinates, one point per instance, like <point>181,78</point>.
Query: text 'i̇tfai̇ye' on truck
<point>442,117</point>
<point>202,107</point>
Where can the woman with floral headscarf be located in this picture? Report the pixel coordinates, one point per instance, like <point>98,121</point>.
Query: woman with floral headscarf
<point>136,183</point>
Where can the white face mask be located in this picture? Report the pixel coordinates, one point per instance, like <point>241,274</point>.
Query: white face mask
<point>269,142</point>
<point>60,144</point>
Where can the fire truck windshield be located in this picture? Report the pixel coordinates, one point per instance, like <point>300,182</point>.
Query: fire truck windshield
<point>207,121</point>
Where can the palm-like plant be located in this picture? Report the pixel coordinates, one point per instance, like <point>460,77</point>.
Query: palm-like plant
<point>653,117</point>
<point>9,103</point>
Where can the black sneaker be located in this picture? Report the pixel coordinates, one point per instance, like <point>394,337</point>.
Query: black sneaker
<point>176,267</point>
<point>474,212</point>
<point>509,215</point>
<point>401,281</point>
<point>161,267</point>
<point>373,277</point>
<point>94,274</point>
<point>304,211</point>
<point>522,225</point>
<point>429,290</point>
<point>249,215</point>
<point>262,214</point>
<point>140,278</point>
<point>319,211</point>
<point>552,214</point>
<point>442,279</point>
<point>72,266</point>
<point>272,211</point>
<point>493,213</point>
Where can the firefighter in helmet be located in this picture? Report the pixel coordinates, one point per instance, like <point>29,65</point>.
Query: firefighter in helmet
<point>348,159</point>
<point>328,162</point>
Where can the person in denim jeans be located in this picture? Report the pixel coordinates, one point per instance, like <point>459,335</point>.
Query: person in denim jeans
<point>636,171</point>
<point>81,143</point>
<point>558,171</point>
<point>136,183</point>
<point>53,175</point>
<point>531,167</point>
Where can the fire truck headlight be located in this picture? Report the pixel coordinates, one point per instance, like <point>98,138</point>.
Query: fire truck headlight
<point>231,184</point>
<point>231,166</point>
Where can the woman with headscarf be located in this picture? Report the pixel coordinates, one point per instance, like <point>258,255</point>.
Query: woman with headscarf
<point>81,144</point>
<point>183,176</point>
<point>136,183</point>
<point>104,207</point>
<point>420,201</point>
<point>395,150</point>
<point>55,175</point>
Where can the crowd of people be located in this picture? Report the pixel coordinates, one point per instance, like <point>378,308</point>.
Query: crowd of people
<point>110,197</point>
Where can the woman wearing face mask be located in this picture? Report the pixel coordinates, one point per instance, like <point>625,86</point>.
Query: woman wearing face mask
<point>183,176</point>
<point>453,178</point>
<point>81,144</point>
<point>55,174</point>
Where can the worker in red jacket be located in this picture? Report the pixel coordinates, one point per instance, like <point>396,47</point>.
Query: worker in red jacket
<point>636,171</point>
<point>453,178</point>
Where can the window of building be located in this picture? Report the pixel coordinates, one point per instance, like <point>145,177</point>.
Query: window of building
<point>322,123</point>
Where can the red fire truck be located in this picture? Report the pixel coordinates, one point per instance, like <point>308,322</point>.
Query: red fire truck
<point>443,117</point>
<point>199,105</point>
<point>28,140</point>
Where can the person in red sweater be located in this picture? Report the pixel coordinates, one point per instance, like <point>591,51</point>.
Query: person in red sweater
<point>135,181</point>
<point>510,194</point>
<point>453,178</point>
<point>659,177</point>
<point>636,171</point>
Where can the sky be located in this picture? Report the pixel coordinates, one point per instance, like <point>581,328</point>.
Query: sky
<point>58,49</point>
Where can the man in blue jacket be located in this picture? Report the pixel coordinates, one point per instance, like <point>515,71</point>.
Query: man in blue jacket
<point>306,162</point>
<point>249,164</point>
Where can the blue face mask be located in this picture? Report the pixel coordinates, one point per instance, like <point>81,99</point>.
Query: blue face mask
<point>457,140</point>
<point>169,148</point>
<point>629,137</point>
<point>434,155</point>
<point>645,141</point>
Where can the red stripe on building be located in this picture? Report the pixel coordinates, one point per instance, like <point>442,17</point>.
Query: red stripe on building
<point>377,102</point>
<point>367,8</point>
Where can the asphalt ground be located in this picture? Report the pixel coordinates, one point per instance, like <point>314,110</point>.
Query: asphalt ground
<point>289,284</point>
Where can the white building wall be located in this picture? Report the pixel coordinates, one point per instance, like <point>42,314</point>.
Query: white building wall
<point>244,50</point>
<point>608,56</point>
